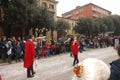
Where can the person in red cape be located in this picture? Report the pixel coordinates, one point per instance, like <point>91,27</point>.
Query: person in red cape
<point>29,56</point>
<point>75,48</point>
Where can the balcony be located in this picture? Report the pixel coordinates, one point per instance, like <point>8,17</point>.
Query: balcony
<point>95,16</point>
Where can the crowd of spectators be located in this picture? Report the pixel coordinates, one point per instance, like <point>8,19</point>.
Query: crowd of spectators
<point>13,48</point>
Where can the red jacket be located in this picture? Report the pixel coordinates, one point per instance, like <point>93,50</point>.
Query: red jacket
<point>74,47</point>
<point>43,53</point>
<point>29,54</point>
<point>47,46</point>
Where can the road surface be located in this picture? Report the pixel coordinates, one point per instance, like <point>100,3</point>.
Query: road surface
<point>55,68</point>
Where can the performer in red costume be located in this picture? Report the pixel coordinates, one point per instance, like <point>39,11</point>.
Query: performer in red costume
<point>75,48</point>
<point>29,56</point>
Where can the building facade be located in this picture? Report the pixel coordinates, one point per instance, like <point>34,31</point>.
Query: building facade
<point>51,5</point>
<point>88,10</point>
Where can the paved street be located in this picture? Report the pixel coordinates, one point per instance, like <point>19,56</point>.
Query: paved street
<point>55,68</point>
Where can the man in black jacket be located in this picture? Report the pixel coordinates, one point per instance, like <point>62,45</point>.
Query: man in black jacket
<point>115,67</point>
<point>3,48</point>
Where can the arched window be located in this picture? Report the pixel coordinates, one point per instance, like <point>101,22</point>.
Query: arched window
<point>44,4</point>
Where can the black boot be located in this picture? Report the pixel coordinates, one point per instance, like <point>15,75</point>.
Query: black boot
<point>30,76</point>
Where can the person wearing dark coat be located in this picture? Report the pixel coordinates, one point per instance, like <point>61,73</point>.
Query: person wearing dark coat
<point>115,67</point>
<point>14,47</point>
<point>18,51</point>
<point>22,43</point>
<point>9,51</point>
<point>3,48</point>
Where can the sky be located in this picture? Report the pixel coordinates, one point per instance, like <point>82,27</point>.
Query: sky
<point>67,5</point>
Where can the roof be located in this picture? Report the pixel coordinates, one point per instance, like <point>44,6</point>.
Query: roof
<point>97,6</point>
<point>85,6</point>
<point>66,18</point>
<point>53,1</point>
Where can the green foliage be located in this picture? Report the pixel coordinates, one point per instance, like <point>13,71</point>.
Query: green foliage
<point>84,26</point>
<point>98,25</point>
<point>16,12</point>
<point>1,61</point>
<point>116,24</point>
<point>27,13</point>
<point>45,19</point>
<point>4,3</point>
<point>61,26</point>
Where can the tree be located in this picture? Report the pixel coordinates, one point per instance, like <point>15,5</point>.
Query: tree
<point>116,24</point>
<point>96,25</point>
<point>44,20</point>
<point>28,14</point>
<point>85,26</point>
<point>18,12</point>
<point>109,23</point>
<point>61,27</point>
<point>4,3</point>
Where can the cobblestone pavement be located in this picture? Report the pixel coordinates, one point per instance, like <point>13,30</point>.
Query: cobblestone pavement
<point>55,68</point>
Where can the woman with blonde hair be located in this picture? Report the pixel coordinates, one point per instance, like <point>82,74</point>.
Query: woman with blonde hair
<point>91,69</point>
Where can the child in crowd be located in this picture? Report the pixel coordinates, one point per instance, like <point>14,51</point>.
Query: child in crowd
<point>43,52</point>
<point>48,48</point>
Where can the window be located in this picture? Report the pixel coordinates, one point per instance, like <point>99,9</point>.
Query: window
<point>51,6</point>
<point>93,8</point>
<point>77,12</point>
<point>95,15</point>
<point>44,4</point>
<point>82,15</point>
<point>77,17</point>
